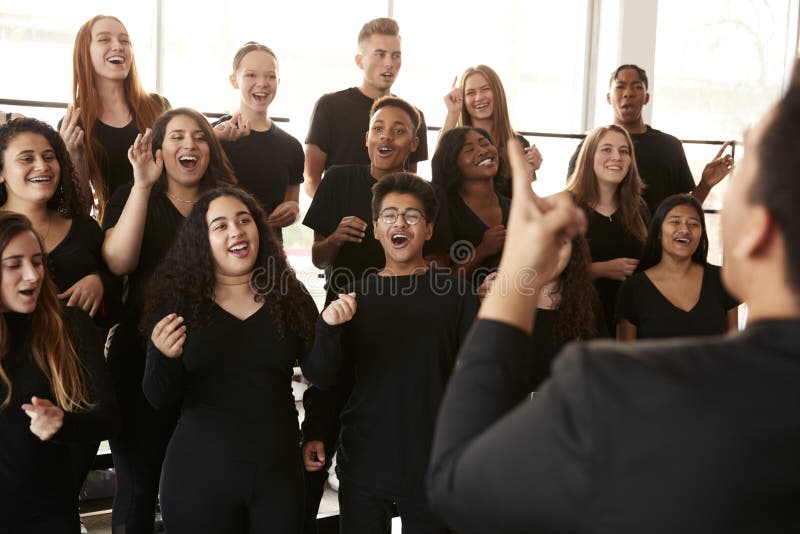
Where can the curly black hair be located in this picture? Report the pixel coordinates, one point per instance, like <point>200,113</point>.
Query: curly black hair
<point>67,198</point>
<point>184,280</point>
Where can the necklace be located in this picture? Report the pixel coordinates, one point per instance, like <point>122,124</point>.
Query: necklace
<point>173,197</point>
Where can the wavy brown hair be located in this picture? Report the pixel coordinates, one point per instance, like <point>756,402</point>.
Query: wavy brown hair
<point>48,341</point>
<point>67,199</point>
<point>184,281</point>
<point>577,311</point>
<point>583,183</point>
<point>219,171</point>
<point>144,107</point>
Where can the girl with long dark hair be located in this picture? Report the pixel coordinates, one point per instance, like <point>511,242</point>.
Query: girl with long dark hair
<point>172,167</point>
<point>231,319</point>
<point>675,291</point>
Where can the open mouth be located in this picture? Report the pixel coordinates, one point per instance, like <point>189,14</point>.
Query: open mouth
<point>385,150</point>
<point>399,240</point>
<point>28,292</point>
<point>488,161</point>
<point>40,179</point>
<point>116,60</point>
<point>261,96</point>
<point>683,240</point>
<point>188,162</point>
<point>240,250</point>
<point>615,168</point>
<point>481,106</point>
<point>387,75</point>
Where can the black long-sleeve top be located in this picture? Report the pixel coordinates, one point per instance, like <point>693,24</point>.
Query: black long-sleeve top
<point>35,476</point>
<point>689,436</point>
<point>398,350</point>
<point>235,373</point>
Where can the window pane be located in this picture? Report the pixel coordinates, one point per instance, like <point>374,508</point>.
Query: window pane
<point>36,40</point>
<point>719,69</point>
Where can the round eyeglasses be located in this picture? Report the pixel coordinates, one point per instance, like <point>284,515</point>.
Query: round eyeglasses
<point>412,216</point>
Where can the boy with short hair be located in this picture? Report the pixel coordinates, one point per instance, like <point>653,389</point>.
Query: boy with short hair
<point>340,119</point>
<point>392,340</point>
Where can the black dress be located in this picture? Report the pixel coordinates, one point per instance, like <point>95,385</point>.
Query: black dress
<point>607,241</point>
<point>467,231</point>
<point>233,463</point>
<point>644,306</point>
<point>37,493</point>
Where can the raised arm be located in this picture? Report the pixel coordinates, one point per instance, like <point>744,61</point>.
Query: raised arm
<point>123,242</point>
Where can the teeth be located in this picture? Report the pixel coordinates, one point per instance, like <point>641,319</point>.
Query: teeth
<point>116,60</point>
<point>384,149</point>
<point>682,240</point>
<point>261,95</point>
<point>38,179</point>
<point>486,162</point>
<point>188,158</point>
<point>238,248</point>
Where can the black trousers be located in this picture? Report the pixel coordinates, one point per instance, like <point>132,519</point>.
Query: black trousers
<point>139,449</point>
<point>364,512</point>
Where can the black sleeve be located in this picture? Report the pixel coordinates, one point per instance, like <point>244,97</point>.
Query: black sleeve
<point>496,454</point>
<point>114,207</point>
<point>101,421</point>
<point>319,129</point>
<point>162,382</point>
<point>323,214</point>
<point>574,160</point>
<point>421,154</point>
<point>626,302</point>
<point>322,364</point>
<point>728,301</point>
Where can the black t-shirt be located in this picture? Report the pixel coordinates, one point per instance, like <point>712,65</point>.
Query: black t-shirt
<point>161,226</point>
<point>35,475</point>
<point>468,229</point>
<point>234,377</point>
<point>398,350</point>
<point>266,164</point>
<point>78,255</point>
<point>347,191</point>
<point>115,168</point>
<point>644,306</point>
<point>339,123</point>
<point>607,241</point>
<point>662,165</point>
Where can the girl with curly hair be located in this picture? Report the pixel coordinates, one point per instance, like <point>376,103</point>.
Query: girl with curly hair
<point>172,167</point>
<point>606,184</point>
<point>109,108</point>
<point>231,319</point>
<point>54,388</point>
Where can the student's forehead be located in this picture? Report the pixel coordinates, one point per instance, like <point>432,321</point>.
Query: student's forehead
<point>391,113</point>
<point>628,75</point>
<point>401,200</point>
<point>383,41</point>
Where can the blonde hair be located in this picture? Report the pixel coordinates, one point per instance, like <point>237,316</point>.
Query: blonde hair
<point>143,106</point>
<point>380,26</point>
<point>50,346</point>
<point>628,195</point>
